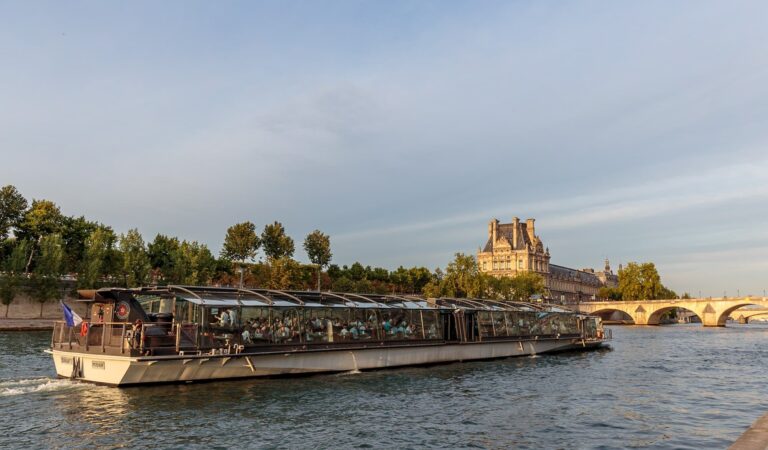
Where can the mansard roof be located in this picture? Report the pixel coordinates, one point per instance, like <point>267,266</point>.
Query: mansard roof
<point>505,231</point>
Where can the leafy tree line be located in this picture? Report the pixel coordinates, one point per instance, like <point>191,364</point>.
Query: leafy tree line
<point>639,281</point>
<point>39,245</point>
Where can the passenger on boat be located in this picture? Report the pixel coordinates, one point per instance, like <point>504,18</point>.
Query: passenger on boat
<point>246,335</point>
<point>137,329</point>
<point>223,319</point>
<point>344,332</point>
<point>232,317</point>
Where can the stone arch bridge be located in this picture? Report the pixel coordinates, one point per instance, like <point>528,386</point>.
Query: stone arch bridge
<point>713,312</point>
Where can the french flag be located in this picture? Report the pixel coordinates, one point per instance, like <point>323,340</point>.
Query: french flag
<point>70,316</point>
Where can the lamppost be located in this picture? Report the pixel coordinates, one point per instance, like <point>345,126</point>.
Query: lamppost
<point>241,269</point>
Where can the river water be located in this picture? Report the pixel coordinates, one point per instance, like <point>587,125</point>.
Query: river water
<point>680,386</point>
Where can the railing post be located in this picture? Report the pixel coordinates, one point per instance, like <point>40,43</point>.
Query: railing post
<point>103,337</point>
<point>122,339</point>
<point>178,335</point>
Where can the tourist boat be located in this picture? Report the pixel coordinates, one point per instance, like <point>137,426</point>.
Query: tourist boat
<point>185,334</point>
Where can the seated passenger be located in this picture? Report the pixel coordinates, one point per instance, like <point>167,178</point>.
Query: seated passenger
<point>223,319</point>
<point>246,335</point>
<point>432,333</point>
<point>344,332</point>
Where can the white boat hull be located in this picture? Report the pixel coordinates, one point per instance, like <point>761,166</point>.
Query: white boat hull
<point>123,370</point>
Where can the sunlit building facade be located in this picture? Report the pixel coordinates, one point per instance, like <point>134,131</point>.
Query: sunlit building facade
<point>513,248</point>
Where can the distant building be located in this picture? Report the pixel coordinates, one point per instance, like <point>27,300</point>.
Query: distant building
<point>514,248</point>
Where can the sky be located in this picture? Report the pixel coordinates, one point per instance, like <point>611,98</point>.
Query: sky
<point>634,131</point>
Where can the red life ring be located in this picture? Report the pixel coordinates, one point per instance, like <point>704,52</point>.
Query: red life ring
<point>84,329</point>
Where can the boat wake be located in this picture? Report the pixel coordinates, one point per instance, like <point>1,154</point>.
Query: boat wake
<point>9,388</point>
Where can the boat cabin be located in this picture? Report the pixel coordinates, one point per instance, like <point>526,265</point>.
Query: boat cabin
<point>178,320</point>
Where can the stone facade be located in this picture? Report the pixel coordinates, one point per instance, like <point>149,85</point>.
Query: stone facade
<point>513,248</point>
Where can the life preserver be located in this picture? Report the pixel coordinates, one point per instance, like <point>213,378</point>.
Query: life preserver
<point>83,328</point>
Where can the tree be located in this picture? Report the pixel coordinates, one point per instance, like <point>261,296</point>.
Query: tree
<point>99,258</point>
<point>609,293</point>
<point>13,206</point>
<point>161,253</point>
<point>275,242</point>
<point>192,264</point>
<point>241,242</point>
<point>356,272</point>
<point>503,288</point>
<point>527,284</point>
<point>45,278</point>
<point>463,278</point>
<point>639,282</point>
<point>135,259</point>
<point>41,219</point>
<point>282,273</point>
<point>75,231</point>
<point>14,267</point>
<point>318,248</point>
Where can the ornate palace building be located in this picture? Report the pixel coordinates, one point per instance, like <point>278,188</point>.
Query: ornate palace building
<point>513,248</point>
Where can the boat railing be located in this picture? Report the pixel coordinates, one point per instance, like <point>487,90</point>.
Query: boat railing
<point>109,337</point>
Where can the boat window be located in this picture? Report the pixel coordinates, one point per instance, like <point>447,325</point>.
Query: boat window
<point>499,326</point>
<point>287,325</point>
<point>396,324</point>
<point>315,325</point>
<point>364,324</point>
<point>485,320</point>
<point>256,321</point>
<point>338,324</point>
<point>432,327</point>
<point>220,326</point>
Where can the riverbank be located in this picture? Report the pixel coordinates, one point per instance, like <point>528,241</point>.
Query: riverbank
<point>26,324</point>
<point>755,438</point>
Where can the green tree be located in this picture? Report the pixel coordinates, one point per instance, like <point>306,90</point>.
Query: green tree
<point>282,273</point>
<point>666,293</point>
<point>503,288</point>
<point>526,285</point>
<point>275,242</point>
<point>192,264</point>
<point>45,278</point>
<point>464,279</point>
<point>135,267</point>
<point>13,206</point>
<point>75,231</point>
<point>14,267</point>
<point>241,242</point>
<point>609,293</point>
<point>161,253</point>
<point>41,219</point>
<point>356,272</point>
<point>639,282</point>
<point>99,258</point>
<point>318,248</point>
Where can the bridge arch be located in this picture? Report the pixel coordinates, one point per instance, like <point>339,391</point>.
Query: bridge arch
<point>750,316</point>
<point>726,313</point>
<point>655,317</point>
<point>606,313</point>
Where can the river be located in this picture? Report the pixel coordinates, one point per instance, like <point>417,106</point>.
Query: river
<point>680,386</point>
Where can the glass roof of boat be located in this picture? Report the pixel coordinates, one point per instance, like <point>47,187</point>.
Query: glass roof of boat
<point>221,296</point>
